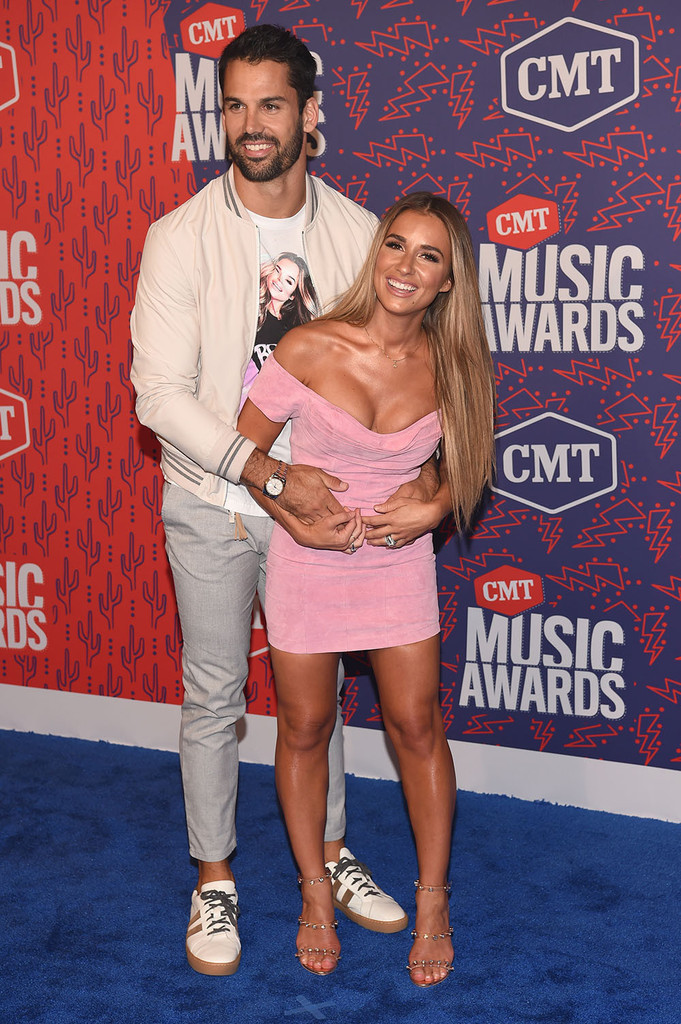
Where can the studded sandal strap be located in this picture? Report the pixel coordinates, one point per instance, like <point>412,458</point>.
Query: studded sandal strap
<point>432,935</point>
<point>421,887</point>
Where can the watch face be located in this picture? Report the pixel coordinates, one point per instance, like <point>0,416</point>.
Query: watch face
<point>274,486</point>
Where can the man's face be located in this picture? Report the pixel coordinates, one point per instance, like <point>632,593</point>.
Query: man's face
<point>264,128</point>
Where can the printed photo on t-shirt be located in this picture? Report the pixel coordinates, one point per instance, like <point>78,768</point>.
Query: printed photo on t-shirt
<point>287,299</point>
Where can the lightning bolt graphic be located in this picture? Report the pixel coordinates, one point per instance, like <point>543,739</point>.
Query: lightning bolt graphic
<point>357,93</point>
<point>551,531</point>
<point>643,187</point>
<point>458,195</point>
<point>426,78</point>
<point>447,705</point>
<point>665,426</point>
<point>671,319</point>
<point>648,730</point>
<point>619,146</point>
<point>631,407</point>
<point>497,518</point>
<point>519,403</point>
<point>543,732</point>
<point>482,728</point>
<point>563,194</point>
<point>653,630</point>
<point>658,530</point>
<point>582,372</point>
<point>350,699</point>
<point>493,42</point>
<point>671,691</point>
<point>673,485</point>
<point>470,567</point>
<point>461,92</point>
<point>673,590</point>
<point>398,39</point>
<point>588,734</point>
<point>402,148</point>
<point>258,6</point>
<point>507,145</point>
<point>594,577</point>
<point>360,5</point>
<point>448,612</point>
<point>673,206</point>
<point>614,522</point>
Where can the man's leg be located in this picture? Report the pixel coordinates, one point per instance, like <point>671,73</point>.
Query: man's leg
<point>215,579</point>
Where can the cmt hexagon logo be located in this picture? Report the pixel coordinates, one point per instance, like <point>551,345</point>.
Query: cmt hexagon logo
<point>208,30</point>
<point>523,221</point>
<point>14,430</point>
<point>509,590</point>
<point>553,463</point>
<point>570,74</point>
<point>9,79</point>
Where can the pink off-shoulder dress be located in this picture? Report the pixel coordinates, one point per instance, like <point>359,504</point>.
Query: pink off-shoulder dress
<point>327,601</point>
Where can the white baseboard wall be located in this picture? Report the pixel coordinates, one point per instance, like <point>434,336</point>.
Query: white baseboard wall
<point>646,792</point>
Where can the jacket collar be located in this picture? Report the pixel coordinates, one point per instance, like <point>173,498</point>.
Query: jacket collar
<point>235,205</point>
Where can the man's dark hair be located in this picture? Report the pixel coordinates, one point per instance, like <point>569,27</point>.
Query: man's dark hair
<point>272,42</point>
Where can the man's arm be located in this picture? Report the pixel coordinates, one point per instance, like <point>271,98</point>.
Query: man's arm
<point>166,337</point>
<point>307,492</point>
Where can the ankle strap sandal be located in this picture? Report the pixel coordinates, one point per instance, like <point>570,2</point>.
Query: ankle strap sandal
<point>433,888</point>
<point>326,877</point>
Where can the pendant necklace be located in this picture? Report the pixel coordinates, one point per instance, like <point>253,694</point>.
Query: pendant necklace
<point>383,351</point>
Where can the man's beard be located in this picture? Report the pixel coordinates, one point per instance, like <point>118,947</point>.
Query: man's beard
<point>281,160</point>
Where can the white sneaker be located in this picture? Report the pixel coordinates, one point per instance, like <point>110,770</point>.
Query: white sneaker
<point>213,945</point>
<point>356,894</point>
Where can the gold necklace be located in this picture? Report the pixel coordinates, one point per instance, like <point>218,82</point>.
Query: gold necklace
<point>383,351</point>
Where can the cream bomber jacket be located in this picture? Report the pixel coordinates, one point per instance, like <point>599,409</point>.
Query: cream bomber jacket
<point>194,320</point>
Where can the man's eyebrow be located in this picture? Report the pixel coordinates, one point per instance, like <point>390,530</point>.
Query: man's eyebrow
<point>264,99</point>
<point>422,245</point>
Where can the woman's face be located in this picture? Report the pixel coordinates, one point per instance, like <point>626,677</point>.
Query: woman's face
<point>414,263</point>
<point>282,281</point>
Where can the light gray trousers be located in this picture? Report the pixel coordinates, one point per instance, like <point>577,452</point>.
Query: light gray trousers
<point>216,578</point>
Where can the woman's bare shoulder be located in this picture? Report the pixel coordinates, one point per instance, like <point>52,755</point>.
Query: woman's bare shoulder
<point>304,348</point>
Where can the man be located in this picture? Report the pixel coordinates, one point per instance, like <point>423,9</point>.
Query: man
<point>205,317</point>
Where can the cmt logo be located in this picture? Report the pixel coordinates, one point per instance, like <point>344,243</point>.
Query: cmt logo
<point>208,30</point>
<point>14,431</point>
<point>553,463</point>
<point>570,74</point>
<point>523,221</point>
<point>9,79</point>
<point>509,590</point>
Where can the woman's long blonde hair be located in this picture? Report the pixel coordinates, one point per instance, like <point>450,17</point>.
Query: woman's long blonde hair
<point>461,361</point>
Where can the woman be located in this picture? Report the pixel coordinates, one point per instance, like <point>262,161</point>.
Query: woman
<point>285,289</point>
<point>400,366</point>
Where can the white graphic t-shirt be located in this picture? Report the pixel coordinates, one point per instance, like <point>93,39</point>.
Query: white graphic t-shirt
<point>287,298</point>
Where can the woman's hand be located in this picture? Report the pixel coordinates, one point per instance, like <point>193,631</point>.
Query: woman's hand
<point>404,520</point>
<point>342,531</point>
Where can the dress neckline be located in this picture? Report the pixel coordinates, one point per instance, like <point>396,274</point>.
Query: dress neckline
<point>339,408</point>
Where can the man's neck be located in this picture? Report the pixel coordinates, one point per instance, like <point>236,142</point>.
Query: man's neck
<point>282,197</point>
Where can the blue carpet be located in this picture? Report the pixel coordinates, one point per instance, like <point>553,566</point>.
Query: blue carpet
<point>560,915</point>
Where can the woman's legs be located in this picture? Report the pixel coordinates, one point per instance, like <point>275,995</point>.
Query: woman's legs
<point>408,680</point>
<point>306,701</point>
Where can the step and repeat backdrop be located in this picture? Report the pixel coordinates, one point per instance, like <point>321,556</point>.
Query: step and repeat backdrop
<point>556,130</point>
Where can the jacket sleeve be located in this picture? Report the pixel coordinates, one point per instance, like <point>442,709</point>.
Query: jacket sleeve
<point>166,337</point>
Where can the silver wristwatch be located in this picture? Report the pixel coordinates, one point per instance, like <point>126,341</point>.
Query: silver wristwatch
<point>275,484</point>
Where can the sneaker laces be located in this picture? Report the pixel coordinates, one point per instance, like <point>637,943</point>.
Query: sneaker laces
<point>360,874</point>
<point>223,910</point>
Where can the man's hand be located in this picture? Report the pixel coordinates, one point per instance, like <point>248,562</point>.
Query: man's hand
<point>341,532</point>
<point>307,494</point>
